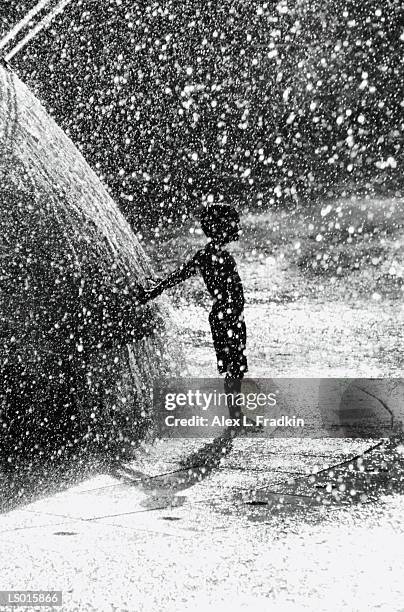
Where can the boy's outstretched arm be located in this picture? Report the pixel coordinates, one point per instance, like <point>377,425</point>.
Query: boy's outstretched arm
<point>178,276</point>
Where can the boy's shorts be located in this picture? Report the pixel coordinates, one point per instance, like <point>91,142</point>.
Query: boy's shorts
<point>229,339</point>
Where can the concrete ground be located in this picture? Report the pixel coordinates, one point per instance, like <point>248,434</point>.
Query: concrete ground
<point>242,523</point>
<point>260,524</point>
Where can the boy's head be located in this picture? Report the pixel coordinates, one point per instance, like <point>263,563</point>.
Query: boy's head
<point>220,223</point>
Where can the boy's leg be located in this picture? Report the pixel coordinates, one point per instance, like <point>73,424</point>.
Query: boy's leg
<point>232,387</point>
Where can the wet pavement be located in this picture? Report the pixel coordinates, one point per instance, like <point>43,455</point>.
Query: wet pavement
<point>244,523</point>
<point>207,524</point>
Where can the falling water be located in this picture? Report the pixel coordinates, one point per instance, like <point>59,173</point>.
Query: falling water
<point>78,355</point>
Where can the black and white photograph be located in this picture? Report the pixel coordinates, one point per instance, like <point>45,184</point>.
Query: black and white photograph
<point>201,305</point>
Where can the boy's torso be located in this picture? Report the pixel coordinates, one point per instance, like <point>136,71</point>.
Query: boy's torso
<point>222,280</point>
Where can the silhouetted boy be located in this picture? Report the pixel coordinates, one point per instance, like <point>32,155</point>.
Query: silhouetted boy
<point>221,224</point>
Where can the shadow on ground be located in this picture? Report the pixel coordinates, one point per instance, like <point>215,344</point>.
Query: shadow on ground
<point>163,489</point>
<point>26,481</point>
<point>361,479</point>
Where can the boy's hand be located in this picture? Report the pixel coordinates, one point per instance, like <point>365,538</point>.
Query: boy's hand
<point>142,295</point>
<point>145,295</point>
<point>151,283</point>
